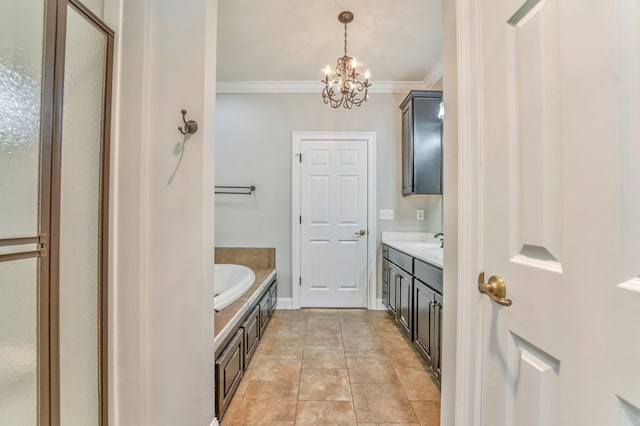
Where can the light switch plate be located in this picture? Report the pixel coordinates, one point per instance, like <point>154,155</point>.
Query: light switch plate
<point>386,214</point>
<point>419,214</point>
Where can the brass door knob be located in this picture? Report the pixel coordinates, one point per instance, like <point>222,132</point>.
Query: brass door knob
<point>361,232</point>
<point>496,289</point>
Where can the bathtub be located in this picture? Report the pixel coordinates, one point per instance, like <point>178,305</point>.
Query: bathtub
<point>230,282</point>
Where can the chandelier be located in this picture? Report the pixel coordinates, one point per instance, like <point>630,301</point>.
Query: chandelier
<point>344,86</point>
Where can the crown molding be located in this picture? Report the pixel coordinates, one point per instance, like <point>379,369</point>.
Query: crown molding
<point>434,75</point>
<point>312,86</point>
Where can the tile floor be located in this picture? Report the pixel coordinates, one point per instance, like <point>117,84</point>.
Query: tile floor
<point>334,367</point>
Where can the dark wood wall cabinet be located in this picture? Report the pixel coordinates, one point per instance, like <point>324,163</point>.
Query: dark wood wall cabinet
<point>234,355</point>
<point>414,298</point>
<point>421,143</point>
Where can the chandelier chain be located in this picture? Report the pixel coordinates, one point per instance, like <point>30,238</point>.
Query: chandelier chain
<point>345,39</point>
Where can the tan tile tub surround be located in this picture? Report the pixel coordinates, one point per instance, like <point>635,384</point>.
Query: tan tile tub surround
<point>262,262</point>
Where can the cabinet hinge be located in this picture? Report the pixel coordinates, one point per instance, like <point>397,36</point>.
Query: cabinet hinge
<point>300,280</point>
<point>300,157</point>
<point>300,220</point>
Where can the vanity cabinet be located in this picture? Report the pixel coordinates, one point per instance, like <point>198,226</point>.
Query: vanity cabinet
<point>421,143</point>
<point>385,282</point>
<point>400,268</point>
<point>415,302</point>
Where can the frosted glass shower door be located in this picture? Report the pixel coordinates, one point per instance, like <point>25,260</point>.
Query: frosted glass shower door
<point>82,210</point>
<point>21,93</point>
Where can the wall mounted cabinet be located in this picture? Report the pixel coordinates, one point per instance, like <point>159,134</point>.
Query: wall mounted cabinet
<point>421,143</point>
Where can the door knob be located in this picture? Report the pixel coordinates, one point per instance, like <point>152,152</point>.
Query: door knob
<point>496,289</point>
<point>361,232</point>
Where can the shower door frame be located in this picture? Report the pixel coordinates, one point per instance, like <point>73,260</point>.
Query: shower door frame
<point>48,238</point>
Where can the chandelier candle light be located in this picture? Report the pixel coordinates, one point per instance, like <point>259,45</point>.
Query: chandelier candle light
<point>344,86</point>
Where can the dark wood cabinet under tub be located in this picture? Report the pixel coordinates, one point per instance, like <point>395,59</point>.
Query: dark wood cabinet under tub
<point>237,349</point>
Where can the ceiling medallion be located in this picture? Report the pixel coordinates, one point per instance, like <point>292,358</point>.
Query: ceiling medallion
<point>344,86</point>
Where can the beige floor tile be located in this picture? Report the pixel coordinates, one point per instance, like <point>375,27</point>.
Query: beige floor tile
<point>324,384</point>
<point>291,330</point>
<point>329,337</point>
<point>291,315</point>
<point>428,412</point>
<point>276,346</point>
<point>382,403</point>
<point>323,323</point>
<point>363,347</point>
<point>325,413</point>
<point>358,330</point>
<point>370,370</point>
<point>388,424</point>
<point>353,315</point>
<point>267,401</point>
<point>417,384</point>
<point>404,358</point>
<point>274,369</point>
<point>318,312</point>
<point>324,357</point>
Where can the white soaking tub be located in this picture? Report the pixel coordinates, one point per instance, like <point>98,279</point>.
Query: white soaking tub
<point>230,282</point>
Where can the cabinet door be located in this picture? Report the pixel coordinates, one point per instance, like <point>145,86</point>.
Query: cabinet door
<point>427,146</point>
<point>229,371</point>
<point>407,149</point>
<point>251,327</point>
<point>404,313</point>
<point>393,289</point>
<point>265,305</point>
<point>273,294</point>
<point>423,298</point>
<point>437,337</point>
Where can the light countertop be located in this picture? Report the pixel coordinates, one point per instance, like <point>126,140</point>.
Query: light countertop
<point>420,245</point>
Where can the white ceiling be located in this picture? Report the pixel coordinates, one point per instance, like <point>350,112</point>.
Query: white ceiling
<point>293,40</point>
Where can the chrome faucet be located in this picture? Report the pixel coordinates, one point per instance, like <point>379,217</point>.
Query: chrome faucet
<point>441,235</point>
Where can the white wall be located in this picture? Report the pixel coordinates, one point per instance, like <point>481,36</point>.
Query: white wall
<point>253,147</point>
<point>161,279</point>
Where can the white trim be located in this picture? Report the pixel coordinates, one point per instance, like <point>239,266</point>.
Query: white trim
<point>316,86</point>
<point>284,303</point>
<point>215,422</point>
<point>379,305</point>
<point>297,138</point>
<point>469,337</point>
<point>434,75</point>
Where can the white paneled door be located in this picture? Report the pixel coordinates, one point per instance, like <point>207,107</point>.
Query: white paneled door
<point>333,207</point>
<point>559,118</point>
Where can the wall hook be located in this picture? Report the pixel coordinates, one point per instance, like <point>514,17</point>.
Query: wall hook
<point>190,127</point>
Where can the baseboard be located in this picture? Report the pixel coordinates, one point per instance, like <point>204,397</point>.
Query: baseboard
<point>380,306</point>
<point>215,422</point>
<point>284,303</point>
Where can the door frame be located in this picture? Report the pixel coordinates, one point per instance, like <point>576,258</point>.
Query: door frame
<point>297,139</point>
<point>469,328</point>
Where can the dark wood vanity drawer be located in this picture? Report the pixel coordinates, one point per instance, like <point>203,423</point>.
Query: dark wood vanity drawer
<point>229,371</point>
<point>429,275</point>
<point>251,326</point>
<point>402,260</point>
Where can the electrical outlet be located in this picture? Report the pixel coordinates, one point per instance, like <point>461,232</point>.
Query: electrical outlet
<point>386,214</point>
<point>419,214</point>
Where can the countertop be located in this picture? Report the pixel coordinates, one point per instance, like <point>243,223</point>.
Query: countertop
<point>226,318</point>
<point>421,245</point>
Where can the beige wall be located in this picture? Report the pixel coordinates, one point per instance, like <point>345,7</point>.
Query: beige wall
<point>161,274</point>
<point>253,147</point>
<point>450,223</point>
